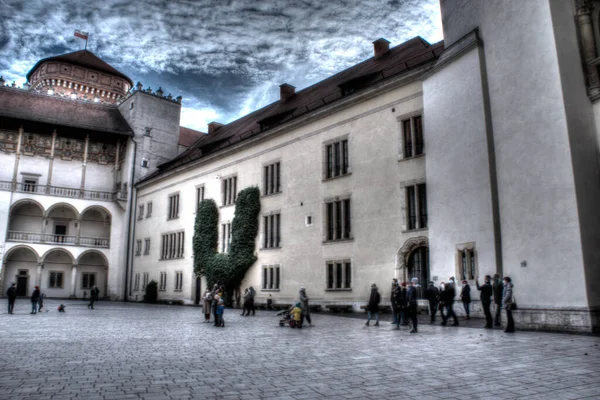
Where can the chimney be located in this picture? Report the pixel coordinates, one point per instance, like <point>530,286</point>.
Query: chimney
<point>285,92</point>
<point>213,126</point>
<point>380,47</point>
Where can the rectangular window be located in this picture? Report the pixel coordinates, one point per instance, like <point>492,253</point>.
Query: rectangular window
<point>412,137</point>
<point>272,231</point>
<point>29,185</point>
<point>272,178</point>
<point>422,190</point>
<point>229,190</point>
<point>418,135</point>
<point>149,210</point>
<point>199,195</point>
<point>88,280</point>
<point>172,245</point>
<point>416,207</point>
<point>225,237</point>
<point>412,207</point>
<point>138,247</point>
<point>339,274</point>
<point>178,281</point>
<point>136,282</point>
<point>163,281</point>
<point>338,219</point>
<point>337,159</point>
<point>271,277</point>
<point>55,280</point>
<point>173,206</point>
<point>407,132</point>
<point>145,282</point>
<point>147,246</point>
<point>140,212</point>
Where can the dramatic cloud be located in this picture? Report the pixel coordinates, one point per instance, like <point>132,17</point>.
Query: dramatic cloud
<point>226,58</point>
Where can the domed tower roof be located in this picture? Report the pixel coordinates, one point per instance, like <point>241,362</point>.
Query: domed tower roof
<point>81,75</point>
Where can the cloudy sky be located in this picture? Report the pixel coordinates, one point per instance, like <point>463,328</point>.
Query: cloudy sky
<point>225,57</point>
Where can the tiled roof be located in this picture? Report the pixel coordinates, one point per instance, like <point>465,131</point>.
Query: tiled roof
<point>396,61</point>
<point>85,59</point>
<point>32,106</point>
<point>188,136</point>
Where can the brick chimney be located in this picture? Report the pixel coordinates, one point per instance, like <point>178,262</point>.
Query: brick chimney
<point>381,46</point>
<point>285,92</point>
<point>213,126</point>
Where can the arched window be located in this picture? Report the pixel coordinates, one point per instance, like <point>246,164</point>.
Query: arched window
<point>418,267</point>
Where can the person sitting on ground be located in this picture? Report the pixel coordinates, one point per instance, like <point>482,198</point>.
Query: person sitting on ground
<point>61,308</point>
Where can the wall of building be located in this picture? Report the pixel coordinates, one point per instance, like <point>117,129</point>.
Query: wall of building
<point>375,187</point>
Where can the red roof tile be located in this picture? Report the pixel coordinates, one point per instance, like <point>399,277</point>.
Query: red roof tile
<point>188,136</point>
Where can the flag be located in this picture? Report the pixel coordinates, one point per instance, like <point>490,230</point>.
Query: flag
<point>82,35</point>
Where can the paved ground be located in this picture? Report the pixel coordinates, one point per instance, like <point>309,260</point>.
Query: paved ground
<point>136,351</point>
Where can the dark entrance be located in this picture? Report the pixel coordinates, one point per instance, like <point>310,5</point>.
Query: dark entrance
<point>22,283</point>
<point>197,299</point>
<point>418,267</point>
<point>59,233</point>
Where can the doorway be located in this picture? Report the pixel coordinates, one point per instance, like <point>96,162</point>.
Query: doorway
<point>22,279</point>
<point>59,233</point>
<point>418,267</point>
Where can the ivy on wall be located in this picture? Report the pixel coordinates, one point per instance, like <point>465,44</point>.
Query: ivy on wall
<point>227,269</point>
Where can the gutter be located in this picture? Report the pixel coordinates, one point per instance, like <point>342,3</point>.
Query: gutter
<point>131,224</point>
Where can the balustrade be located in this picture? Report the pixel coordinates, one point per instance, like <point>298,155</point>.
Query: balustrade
<point>74,193</point>
<point>52,238</point>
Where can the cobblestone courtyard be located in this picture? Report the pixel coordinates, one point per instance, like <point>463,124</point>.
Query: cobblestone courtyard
<point>137,351</point>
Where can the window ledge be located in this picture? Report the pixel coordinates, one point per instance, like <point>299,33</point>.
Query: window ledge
<point>271,194</point>
<point>270,290</point>
<point>338,241</point>
<point>172,258</point>
<point>269,248</point>
<point>227,205</point>
<point>170,219</point>
<point>162,290</point>
<point>339,290</point>
<point>411,157</point>
<point>336,177</point>
<point>415,230</point>
<point>178,290</point>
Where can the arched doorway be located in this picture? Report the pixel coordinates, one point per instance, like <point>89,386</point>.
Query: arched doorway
<point>412,261</point>
<point>20,268</point>
<point>92,271</point>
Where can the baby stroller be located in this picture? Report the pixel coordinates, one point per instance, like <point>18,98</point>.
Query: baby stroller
<point>286,319</point>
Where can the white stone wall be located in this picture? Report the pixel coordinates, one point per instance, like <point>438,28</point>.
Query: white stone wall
<point>66,173</point>
<point>375,187</point>
<point>7,160</point>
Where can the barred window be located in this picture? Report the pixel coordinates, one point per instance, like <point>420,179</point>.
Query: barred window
<point>225,237</point>
<point>271,277</point>
<point>339,274</point>
<point>172,245</point>
<point>272,231</point>
<point>199,195</point>
<point>338,220</point>
<point>337,159</point>
<point>138,247</point>
<point>163,281</point>
<point>136,282</point>
<point>140,212</point>
<point>88,280</point>
<point>55,280</point>
<point>149,210</point>
<point>178,281</point>
<point>147,246</point>
<point>468,264</point>
<point>272,178</point>
<point>173,206</point>
<point>145,282</point>
<point>416,207</point>
<point>229,190</point>
<point>412,136</point>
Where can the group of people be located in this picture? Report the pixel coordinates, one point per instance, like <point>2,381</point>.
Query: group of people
<point>248,305</point>
<point>403,300</point>
<point>37,299</point>
<point>214,302</point>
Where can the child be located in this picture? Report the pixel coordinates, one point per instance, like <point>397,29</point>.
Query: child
<point>297,315</point>
<point>61,308</point>
<point>220,309</point>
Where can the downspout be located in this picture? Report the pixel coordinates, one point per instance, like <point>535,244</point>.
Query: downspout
<point>131,225</point>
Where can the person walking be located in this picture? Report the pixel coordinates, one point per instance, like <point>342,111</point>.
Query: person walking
<point>442,304</point>
<point>41,301</point>
<point>206,304</point>
<point>392,302</point>
<point>432,295</point>
<point>411,300</point>
<point>465,297</point>
<point>35,297</point>
<point>507,303</point>
<point>93,297</point>
<point>486,299</point>
<point>11,293</point>
<point>247,296</point>
<point>400,303</point>
<point>305,306</point>
<point>373,306</point>
<point>497,287</point>
<point>251,304</point>
<point>449,294</point>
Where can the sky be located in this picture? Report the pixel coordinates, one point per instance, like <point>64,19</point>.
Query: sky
<point>226,58</point>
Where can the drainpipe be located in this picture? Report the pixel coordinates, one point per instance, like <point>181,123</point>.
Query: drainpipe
<point>131,224</point>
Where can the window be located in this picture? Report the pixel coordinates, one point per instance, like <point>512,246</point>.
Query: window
<point>338,220</point>
<point>88,280</point>
<point>416,207</point>
<point>29,184</point>
<point>178,281</point>
<point>149,210</point>
<point>163,281</point>
<point>272,178</point>
<point>272,231</point>
<point>199,195</point>
<point>138,247</point>
<point>172,245</point>
<point>339,274</point>
<point>225,237</point>
<point>271,277</point>
<point>229,190</point>
<point>147,246</point>
<point>136,282</point>
<point>412,136</point>
<point>140,211</point>
<point>467,262</point>
<point>173,206</point>
<point>308,221</point>
<point>418,267</point>
<point>145,283</point>
<point>336,159</point>
<point>55,280</point>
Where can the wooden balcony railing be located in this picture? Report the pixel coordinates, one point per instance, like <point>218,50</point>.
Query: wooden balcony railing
<point>51,238</point>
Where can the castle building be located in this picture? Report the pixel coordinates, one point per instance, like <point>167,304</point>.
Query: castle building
<point>469,157</point>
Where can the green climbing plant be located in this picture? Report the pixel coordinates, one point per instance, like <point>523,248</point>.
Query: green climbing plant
<point>228,269</point>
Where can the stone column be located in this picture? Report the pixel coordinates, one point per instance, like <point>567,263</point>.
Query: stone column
<point>38,275</point>
<point>84,165</point>
<point>583,11</point>
<point>51,163</point>
<point>2,272</point>
<point>73,282</point>
<point>17,158</point>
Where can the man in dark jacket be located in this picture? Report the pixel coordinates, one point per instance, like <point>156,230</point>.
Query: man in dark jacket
<point>411,300</point>
<point>432,294</point>
<point>93,297</point>
<point>392,302</point>
<point>11,293</point>
<point>448,296</point>
<point>497,287</point>
<point>35,297</point>
<point>398,301</point>
<point>486,300</point>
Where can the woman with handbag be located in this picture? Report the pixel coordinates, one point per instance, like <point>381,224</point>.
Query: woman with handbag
<point>508,304</point>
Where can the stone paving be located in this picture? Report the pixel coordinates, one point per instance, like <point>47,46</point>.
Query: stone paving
<point>138,351</point>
